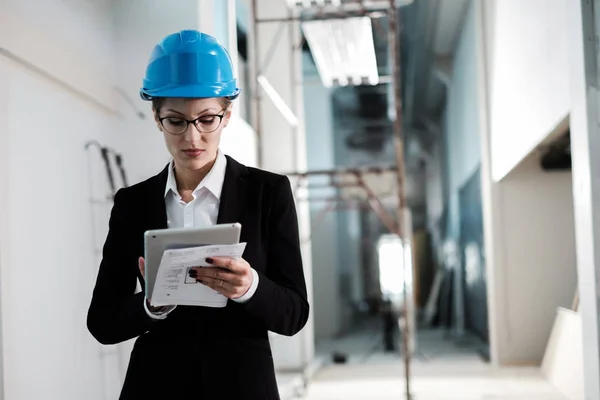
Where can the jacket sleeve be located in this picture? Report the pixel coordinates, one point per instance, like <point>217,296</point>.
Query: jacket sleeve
<point>280,299</point>
<point>116,314</point>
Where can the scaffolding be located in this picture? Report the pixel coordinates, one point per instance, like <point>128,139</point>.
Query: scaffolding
<point>395,225</point>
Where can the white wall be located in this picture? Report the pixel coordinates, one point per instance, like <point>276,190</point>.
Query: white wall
<point>71,39</point>
<point>48,267</point>
<point>538,240</point>
<point>49,231</point>
<point>529,215</point>
<point>529,86</point>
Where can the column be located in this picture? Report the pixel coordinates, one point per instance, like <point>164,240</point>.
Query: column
<point>585,148</point>
<point>283,148</point>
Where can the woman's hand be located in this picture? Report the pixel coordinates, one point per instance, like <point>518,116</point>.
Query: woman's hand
<point>230,277</point>
<point>142,267</point>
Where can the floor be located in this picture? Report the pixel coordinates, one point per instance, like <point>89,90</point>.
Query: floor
<point>443,369</point>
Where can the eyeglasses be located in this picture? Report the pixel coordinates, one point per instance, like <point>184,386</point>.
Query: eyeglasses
<point>204,124</point>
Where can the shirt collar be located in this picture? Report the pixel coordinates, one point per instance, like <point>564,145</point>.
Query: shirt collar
<point>213,181</point>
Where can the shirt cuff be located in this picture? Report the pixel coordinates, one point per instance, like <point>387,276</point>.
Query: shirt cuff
<point>246,297</point>
<point>160,314</point>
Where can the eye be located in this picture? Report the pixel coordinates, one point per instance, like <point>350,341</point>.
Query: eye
<point>209,119</point>
<point>175,121</point>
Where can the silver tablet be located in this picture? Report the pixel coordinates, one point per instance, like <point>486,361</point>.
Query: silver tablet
<point>157,241</point>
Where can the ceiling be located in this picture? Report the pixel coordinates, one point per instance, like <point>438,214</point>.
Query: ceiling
<point>430,31</point>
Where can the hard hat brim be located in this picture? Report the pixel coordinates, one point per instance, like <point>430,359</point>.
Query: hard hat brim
<point>190,92</point>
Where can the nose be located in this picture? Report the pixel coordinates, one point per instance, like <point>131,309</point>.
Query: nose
<point>192,133</point>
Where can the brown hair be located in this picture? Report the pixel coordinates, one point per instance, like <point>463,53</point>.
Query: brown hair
<point>157,102</point>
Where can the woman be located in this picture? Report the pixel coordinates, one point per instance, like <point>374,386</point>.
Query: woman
<point>201,352</point>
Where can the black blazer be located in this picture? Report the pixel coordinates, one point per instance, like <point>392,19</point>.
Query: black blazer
<point>200,352</point>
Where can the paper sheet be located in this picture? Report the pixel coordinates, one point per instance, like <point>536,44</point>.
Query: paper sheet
<point>173,284</point>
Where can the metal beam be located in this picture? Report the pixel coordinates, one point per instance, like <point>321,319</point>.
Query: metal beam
<point>394,43</point>
<point>375,169</point>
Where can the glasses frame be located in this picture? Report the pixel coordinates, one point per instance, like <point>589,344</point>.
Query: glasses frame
<point>193,121</point>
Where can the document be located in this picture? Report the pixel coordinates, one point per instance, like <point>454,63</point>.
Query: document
<point>173,284</point>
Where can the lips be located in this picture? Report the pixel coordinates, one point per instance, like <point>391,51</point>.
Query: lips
<point>193,153</point>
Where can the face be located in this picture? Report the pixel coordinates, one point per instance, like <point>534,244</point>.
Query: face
<point>197,146</point>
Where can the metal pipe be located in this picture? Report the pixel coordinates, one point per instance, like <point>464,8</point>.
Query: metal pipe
<point>320,17</point>
<point>345,171</point>
<point>386,218</point>
<point>394,44</point>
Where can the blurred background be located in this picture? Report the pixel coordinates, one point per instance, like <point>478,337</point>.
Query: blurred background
<point>444,157</point>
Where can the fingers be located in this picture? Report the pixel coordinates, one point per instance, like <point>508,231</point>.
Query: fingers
<point>142,266</point>
<point>226,288</point>
<point>221,286</point>
<point>231,264</point>
<point>206,273</point>
<point>229,284</point>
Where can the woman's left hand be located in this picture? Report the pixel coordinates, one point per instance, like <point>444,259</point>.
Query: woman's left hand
<point>230,277</point>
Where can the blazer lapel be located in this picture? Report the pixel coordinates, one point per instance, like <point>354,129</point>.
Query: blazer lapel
<point>233,195</point>
<point>157,212</point>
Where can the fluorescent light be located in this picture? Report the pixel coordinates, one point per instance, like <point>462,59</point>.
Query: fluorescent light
<point>278,101</point>
<point>343,50</point>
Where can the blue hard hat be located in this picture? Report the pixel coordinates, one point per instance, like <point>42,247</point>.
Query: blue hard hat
<point>189,64</point>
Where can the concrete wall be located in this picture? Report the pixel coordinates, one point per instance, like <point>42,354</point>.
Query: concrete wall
<point>529,85</point>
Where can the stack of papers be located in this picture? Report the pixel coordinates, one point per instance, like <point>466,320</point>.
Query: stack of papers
<point>173,285</point>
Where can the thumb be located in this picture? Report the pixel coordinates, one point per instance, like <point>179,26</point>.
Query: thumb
<point>142,265</point>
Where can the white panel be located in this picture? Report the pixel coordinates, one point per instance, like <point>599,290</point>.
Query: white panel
<point>529,82</point>
<point>238,140</point>
<point>69,39</point>
<point>49,213</point>
<point>563,361</point>
<point>4,228</point>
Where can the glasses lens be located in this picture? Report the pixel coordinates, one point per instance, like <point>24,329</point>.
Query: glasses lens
<point>208,123</point>
<point>174,125</point>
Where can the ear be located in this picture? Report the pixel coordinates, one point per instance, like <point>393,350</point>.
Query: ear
<point>227,116</point>
<point>155,113</point>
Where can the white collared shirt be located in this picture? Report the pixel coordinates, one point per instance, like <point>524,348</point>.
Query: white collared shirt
<point>202,211</point>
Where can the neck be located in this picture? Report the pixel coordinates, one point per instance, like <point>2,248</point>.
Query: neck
<point>190,179</point>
